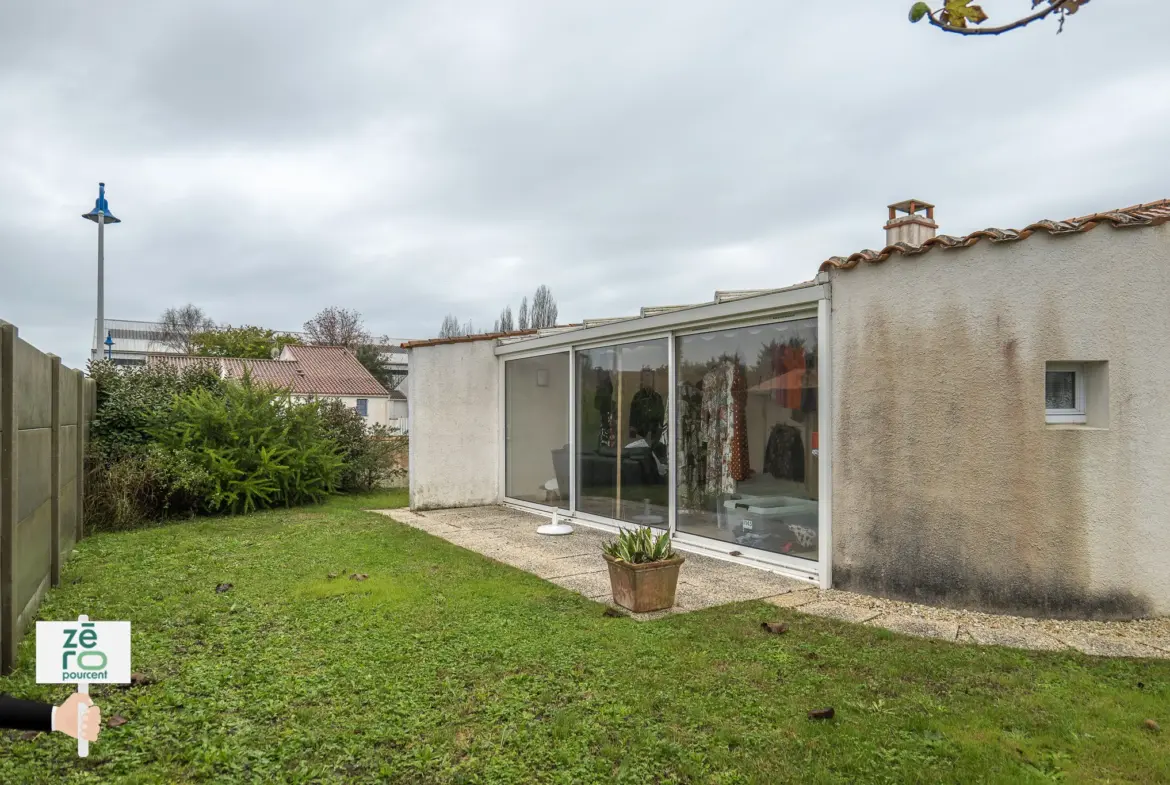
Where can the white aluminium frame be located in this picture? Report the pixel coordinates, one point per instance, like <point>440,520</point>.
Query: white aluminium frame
<point>1079,413</point>
<point>785,305</point>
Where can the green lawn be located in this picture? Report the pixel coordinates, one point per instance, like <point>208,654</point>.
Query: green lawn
<point>444,666</point>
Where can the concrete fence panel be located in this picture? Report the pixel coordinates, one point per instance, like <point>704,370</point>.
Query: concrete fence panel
<point>44,414</point>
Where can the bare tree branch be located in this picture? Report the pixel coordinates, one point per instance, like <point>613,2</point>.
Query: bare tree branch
<point>338,327</point>
<point>1055,7</point>
<point>181,325</point>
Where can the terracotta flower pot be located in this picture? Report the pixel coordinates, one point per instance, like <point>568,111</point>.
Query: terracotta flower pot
<point>644,587</point>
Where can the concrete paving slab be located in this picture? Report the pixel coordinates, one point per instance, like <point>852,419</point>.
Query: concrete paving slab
<point>435,527</point>
<point>744,582</point>
<point>593,584</point>
<point>840,611</point>
<point>1013,637</point>
<point>1102,646</point>
<point>793,599</point>
<point>474,540</point>
<point>402,516</point>
<point>559,568</point>
<point>918,627</point>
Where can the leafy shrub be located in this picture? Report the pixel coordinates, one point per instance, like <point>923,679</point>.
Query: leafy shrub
<point>370,453</point>
<point>145,487</point>
<point>257,343</point>
<point>129,399</point>
<point>639,546</point>
<point>259,447</point>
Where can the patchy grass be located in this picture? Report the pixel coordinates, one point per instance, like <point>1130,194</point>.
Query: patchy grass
<point>387,499</point>
<point>445,667</point>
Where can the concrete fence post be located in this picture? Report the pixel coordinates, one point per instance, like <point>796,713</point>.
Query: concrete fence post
<point>86,408</point>
<point>8,494</point>
<point>55,470</point>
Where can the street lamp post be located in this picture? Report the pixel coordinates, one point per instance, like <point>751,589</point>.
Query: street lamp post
<point>101,215</point>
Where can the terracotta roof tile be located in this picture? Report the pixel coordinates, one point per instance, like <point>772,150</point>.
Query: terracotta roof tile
<point>332,370</point>
<point>282,374</point>
<point>312,370</point>
<point>1149,214</point>
<point>182,360</point>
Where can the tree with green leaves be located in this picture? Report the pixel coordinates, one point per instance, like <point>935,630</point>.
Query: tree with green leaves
<point>377,364</point>
<point>957,16</point>
<point>256,343</point>
<point>258,447</point>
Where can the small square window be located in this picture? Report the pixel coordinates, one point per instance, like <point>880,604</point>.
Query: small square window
<point>1064,393</point>
<point>363,406</point>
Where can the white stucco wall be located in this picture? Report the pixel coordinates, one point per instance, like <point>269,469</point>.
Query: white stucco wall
<point>948,484</point>
<point>378,409</point>
<point>453,391</point>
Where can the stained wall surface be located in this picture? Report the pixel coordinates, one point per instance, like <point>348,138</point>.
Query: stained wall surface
<point>454,425</point>
<point>949,486</point>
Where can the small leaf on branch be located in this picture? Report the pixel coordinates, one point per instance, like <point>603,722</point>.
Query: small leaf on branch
<point>957,13</point>
<point>917,11</point>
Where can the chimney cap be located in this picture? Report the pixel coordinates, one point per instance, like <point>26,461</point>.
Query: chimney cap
<point>912,205</point>
<point>911,208</point>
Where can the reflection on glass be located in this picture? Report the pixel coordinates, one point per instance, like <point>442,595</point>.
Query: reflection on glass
<point>1060,390</point>
<point>747,437</point>
<point>622,400</point>
<point>536,429</point>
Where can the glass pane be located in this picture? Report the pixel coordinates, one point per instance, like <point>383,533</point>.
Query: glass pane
<point>623,400</point>
<point>597,432</point>
<point>536,429</point>
<point>748,432</point>
<point>1060,391</point>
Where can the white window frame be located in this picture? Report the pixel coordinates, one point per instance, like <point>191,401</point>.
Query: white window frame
<point>357,406</point>
<point>781,306</point>
<point>1078,414</point>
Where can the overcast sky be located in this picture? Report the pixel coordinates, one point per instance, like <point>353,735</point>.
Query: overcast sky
<point>409,159</point>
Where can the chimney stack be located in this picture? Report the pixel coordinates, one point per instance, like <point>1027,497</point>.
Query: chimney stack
<point>911,221</point>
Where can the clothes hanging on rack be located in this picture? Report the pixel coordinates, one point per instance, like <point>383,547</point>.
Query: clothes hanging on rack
<point>648,414</point>
<point>784,455</point>
<point>692,456</point>
<point>741,462</point>
<point>723,426</point>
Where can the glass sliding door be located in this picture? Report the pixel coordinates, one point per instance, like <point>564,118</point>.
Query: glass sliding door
<point>623,458</point>
<point>536,429</point>
<point>747,452</point>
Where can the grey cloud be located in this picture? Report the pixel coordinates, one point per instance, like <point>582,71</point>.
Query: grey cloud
<point>411,159</point>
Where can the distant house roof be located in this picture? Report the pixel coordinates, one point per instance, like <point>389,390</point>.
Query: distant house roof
<point>306,370</point>
<point>1148,214</point>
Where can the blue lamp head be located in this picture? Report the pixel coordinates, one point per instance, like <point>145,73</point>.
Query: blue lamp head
<point>109,340</point>
<point>101,207</point>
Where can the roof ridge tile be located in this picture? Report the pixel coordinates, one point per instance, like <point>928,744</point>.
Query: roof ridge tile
<point>1148,214</point>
